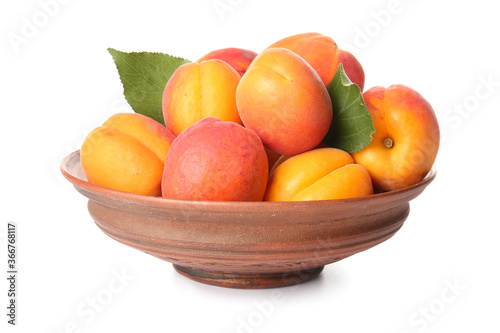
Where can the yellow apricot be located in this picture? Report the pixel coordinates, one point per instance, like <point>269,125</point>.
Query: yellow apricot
<point>127,153</point>
<point>150,133</point>
<point>349,181</point>
<point>199,90</point>
<point>318,174</point>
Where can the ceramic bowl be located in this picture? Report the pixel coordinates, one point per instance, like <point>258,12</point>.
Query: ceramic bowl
<point>245,244</point>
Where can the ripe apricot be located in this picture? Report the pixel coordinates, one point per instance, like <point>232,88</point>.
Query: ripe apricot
<point>318,174</point>
<point>216,160</point>
<point>323,54</point>
<point>282,158</point>
<point>283,99</point>
<point>199,90</point>
<point>127,153</point>
<point>406,139</point>
<point>237,58</point>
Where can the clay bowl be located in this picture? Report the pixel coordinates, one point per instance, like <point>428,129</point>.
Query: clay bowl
<point>245,244</point>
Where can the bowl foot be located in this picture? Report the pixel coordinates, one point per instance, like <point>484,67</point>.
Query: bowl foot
<point>249,280</point>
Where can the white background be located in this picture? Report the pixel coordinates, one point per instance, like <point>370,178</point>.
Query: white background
<point>439,273</point>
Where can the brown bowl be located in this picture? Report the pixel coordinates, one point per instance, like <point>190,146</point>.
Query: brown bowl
<point>245,244</point>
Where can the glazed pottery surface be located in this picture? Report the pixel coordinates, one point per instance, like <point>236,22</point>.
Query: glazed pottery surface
<point>245,244</point>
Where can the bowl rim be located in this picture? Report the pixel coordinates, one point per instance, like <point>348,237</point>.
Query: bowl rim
<point>143,200</point>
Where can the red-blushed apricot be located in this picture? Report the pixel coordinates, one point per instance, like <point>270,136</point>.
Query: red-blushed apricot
<point>196,91</point>
<point>318,174</point>
<point>352,68</point>
<point>323,54</point>
<point>127,153</point>
<point>237,58</point>
<point>406,139</point>
<point>283,99</point>
<point>218,161</point>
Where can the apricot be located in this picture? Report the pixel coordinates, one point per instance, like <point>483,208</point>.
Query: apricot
<point>216,160</point>
<point>283,99</point>
<point>406,139</point>
<point>237,58</point>
<point>196,91</point>
<point>323,54</point>
<point>318,174</point>
<point>127,153</point>
<point>283,158</point>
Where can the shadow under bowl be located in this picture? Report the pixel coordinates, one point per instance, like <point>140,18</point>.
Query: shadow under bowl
<point>245,244</point>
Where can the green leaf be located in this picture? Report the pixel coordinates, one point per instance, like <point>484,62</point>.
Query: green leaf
<point>352,125</point>
<point>144,76</point>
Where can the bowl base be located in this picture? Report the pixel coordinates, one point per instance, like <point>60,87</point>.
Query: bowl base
<point>249,280</point>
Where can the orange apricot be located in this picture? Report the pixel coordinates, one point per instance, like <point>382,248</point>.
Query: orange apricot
<point>323,54</point>
<point>127,153</point>
<point>318,174</point>
<point>283,99</point>
<point>199,90</point>
<point>406,139</point>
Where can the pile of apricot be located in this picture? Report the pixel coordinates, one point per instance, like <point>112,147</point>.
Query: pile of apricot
<point>242,126</point>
